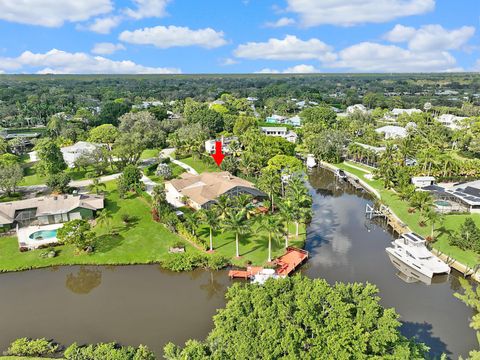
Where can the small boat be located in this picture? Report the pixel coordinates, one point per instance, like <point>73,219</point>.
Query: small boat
<point>340,174</point>
<point>410,255</point>
<point>262,276</point>
<point>311,162</point>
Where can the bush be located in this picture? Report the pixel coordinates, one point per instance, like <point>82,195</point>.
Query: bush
<point>187,262</point>
<point>32,347</point>
<point>59,182</point>
<point>187,235</point>
<point>165,171</point>
<point>111,351</point>
<point>217,262</point>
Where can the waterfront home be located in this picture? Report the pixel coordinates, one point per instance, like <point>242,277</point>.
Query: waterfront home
<point>281,132</point>
<point>226,141</point>
<point>422,181</point>
<point>392,132</point>
<point>52,209</point>
<point>357,107</point>
<point>201,191</point>
<point>71,153</point>
<point>453,122</point>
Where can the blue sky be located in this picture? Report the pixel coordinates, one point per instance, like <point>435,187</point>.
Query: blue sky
<point>239,36</point>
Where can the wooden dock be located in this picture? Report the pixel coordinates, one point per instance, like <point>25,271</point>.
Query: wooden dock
<point>286,264</point>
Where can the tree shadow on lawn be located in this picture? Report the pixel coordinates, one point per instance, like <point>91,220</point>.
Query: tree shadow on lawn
<point>112,206</point>
<point>107,242</point>
<point>132,222</point>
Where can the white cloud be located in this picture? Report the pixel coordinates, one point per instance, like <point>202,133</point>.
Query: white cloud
<point>343,13</point>
<point>284,21</point>
<point>51,13</point>
<point>147,9</point>
<point>297,69</point>
<point>106,48</point>
<point>103,25</point>
<point>431,37</point>
<point>289,48</point>
<point>165,37</point>
<point>371,57</point>
<point>228,61</point>
<point>62,62</point>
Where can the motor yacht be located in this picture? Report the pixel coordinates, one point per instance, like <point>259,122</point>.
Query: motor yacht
<point>410,255</point>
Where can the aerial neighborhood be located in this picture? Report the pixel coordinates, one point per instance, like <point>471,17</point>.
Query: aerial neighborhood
<point>243,182</point>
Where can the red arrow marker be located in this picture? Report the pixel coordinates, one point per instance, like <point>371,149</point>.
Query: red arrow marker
<point>218,156</point>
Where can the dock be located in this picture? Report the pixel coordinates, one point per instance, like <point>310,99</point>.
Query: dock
<point>286,265</point>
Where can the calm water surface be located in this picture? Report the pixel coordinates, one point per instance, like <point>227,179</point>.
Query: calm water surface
<point>144,304</point>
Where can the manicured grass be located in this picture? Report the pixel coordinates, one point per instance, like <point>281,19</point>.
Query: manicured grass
<point>142,241</point>
<point>253,246</point>
<point>201,166</point>
<point>451,223</point>
<point>31,177</point>
<point>176,172</point>
<point>149,153</point>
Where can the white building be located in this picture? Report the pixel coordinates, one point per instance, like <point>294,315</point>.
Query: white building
<point>451,121</point>
<point>357,107</point>
<point>392,132</point>
<point>72,153</point>
<point>281,132</point>
<point>226,141</point>
<point>147,104</point>
<point>397,112</point>
<point>422,181</point>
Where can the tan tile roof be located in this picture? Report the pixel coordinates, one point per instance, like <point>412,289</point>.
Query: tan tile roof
<point>50,205</point>
<point>208,185</point>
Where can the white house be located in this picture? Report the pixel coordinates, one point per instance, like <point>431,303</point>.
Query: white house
<point>72,153</point>
<point>451,121</point>
<point>357,107</point>
<point>147,104</point>
<point>281,132</point>
<point>392,132</point>
<point>422,181</point>
<point>226,141</point>
<point>397,112</point>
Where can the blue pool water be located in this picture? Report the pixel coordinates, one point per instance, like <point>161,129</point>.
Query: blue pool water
<point>442,203</point>
<point>43,235</point>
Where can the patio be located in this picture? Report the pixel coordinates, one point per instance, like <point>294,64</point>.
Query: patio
<point>32,237</point>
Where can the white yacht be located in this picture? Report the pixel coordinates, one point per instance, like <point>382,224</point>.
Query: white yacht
<point>311,162</point>
<point>410,255</point>
<point>262,276</point>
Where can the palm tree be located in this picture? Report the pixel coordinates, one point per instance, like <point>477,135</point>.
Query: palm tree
<point>287,212</point>
<point>273,226</point>
<point>223,205</point>
<point>159,195</point>
<point>96,186</point>
<point>211,218</point>
<point>103,219</point>
<point>270,182</point>
<point>191,222</point>
<point>236,221</point>
<point>433,218</point>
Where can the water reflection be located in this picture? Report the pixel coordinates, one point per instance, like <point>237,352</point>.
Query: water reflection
<point>213,287</point>
<point>84,281</point>
<point>345,246</point>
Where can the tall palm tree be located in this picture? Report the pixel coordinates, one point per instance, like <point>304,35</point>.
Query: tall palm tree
<point>236,221</point>
<point>159,195</point>
<point>287,212</point>
<point>273,226</point>
<point>191,222</point>
<point>433,218</point>
<point>223,205</point>
<point>96,186</point>
<point>103,219</point>
<point>211,218</point>
<point>270,182</point>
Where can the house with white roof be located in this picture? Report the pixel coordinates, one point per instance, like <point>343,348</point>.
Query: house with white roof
<point>392,132</point>
<point>357,107</point>
<point>71,153</point>
<point>451,121</point>
<point>281,132</point>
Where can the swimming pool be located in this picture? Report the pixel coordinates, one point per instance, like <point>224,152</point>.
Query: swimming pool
<point>442,203</point>
<point>43,235</point>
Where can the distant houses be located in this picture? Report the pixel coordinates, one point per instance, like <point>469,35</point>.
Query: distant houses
<point>281,132</point>
<point>453,122</point>
<point>72,153</point>
<point>357,107</point>
<point>202,191</point>
<point>284,120</point>
<point>392,132</point>
<point>226,141</point>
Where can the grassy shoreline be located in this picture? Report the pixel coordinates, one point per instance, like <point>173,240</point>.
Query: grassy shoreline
<point>400,208</point>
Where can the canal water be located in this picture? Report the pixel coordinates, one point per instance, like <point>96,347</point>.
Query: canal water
<point>144,304</point>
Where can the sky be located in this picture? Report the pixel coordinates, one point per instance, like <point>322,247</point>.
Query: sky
<point>238,36</point>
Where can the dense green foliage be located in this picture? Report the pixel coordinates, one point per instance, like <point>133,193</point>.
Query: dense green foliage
<point>32,347</point>
<point>300,318</point>
<point>467,237</point>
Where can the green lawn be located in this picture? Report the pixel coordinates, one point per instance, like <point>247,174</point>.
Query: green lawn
<point>143,241</point>
<point>31,177</point>
<point>201,166</point>
<point>400,208</point>
<point>253,246</point>
<point>176,172</point>
<point>149,153</point>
